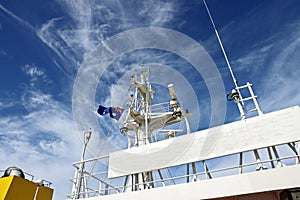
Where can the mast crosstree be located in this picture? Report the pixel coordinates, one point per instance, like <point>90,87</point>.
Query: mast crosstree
<point>142,118</point>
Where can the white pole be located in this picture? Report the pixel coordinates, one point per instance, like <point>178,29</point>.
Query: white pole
<point>221,45</point>
<point>241,109</point>
<point>80,178</point>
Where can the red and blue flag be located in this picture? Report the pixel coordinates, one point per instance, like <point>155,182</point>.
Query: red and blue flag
<point>113,111</point>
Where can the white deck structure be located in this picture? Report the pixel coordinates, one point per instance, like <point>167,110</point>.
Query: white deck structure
<point>201,160</point>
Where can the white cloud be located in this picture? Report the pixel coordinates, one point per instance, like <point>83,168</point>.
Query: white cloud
<point>65,56</point>
<point>281,80</point>
<point>37,77</point>
<point>257,56</point>
<point>18,19</point>
<point>158,12</point>
<point>39,142</point>
<point>5,104</point>
<point>92,22</point>
<point>33,70</point>
<point>82,14</point>
<point>48,37</point>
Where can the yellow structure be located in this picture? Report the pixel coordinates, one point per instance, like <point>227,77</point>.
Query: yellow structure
<point>16,188</point>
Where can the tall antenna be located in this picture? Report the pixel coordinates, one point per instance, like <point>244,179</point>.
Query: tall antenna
<point>236,94</point>
<point>221,45</point>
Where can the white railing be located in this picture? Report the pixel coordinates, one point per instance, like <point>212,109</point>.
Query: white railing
<point>264,159</point>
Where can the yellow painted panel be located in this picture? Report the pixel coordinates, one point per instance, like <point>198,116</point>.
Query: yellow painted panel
<point>4,186</point>
<point>20,189</point>
<point>44,193</point>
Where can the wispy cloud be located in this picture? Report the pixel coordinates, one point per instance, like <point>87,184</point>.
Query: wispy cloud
<point>15,17</point>
<point>46,37</point>
<point>158,13</point>
<point>93,22</point>
<point>273,67</point>
<point>4,103</point>
<point>37,77</point>
<point>33,71</point>
<point>64,56</point>
<point>282,77</point>
<point>41,139</point>
<point>39,132</point>
<point>257,56</point>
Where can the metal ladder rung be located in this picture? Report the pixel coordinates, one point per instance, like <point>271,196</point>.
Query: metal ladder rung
<point>252,110</point>
<point>248,98</point>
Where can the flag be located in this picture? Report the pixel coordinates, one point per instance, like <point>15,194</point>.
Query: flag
<point>114,111</point>
<point>102,110</point>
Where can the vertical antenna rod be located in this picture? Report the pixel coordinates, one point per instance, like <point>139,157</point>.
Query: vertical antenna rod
<point>239,104</point>
<point>221,45</point>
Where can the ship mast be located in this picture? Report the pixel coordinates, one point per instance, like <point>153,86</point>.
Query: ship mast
<point>141,119</point>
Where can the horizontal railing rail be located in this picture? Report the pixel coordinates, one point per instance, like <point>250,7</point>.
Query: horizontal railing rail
<point>105,188</point>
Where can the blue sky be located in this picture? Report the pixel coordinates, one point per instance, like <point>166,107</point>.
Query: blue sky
<point>45,44</point>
